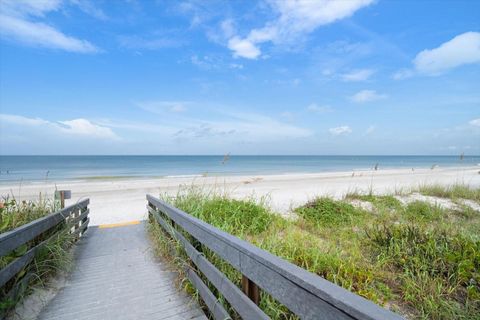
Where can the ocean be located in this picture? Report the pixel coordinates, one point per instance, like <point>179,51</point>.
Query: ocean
<point>40,168</point>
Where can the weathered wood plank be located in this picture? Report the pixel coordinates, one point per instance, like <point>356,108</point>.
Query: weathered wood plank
<point>13,239</point>
<point>15,266</point>
<point>241,303</point>
<point>9,271</point>
<point>303,292</point>
<point>82,228</point>
<point>210,300</point>
<point>117,276</point>
<point>79,218</point>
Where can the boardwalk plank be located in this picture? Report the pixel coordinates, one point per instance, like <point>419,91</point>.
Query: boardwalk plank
<point>116,276</point>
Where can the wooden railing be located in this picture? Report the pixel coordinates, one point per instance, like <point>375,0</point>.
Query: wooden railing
<point>73,218</point>
<point>304,293</point>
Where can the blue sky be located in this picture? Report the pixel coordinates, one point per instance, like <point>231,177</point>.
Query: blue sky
<point>245,77</point>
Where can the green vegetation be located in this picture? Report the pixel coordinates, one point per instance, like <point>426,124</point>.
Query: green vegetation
<point>14,214</point>
<point>423,211</point>
<point>233,216</point>
<point>383,201</point>
<point>327,212</point>
<point>419,259</point>
<point>439,271</point>
<point>50,258</point>
<point>454,192</point>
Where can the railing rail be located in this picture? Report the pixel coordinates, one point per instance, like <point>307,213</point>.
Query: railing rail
<point>75,219</point>
<point>304,293</point>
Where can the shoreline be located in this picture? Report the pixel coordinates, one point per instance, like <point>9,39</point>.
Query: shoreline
<point>119,200</point>
<point>237,175</point>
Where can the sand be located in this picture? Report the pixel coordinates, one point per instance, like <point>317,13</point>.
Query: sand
<point>121,200</point>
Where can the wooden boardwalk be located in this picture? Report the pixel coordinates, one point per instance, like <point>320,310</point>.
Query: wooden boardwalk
<point>117,277</point>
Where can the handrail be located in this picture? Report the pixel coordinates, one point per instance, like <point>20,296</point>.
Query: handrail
<point>304,293</point>
<point>76,221</point>
<point>11,240</point>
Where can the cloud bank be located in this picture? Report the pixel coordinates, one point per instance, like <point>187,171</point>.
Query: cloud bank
<point>79,127</point>
<point>367,96</point>
<point>295,19</point>
<point>342,130</point>
<point>17,23</point>
<point>464,49</point>
<point>461,50</point>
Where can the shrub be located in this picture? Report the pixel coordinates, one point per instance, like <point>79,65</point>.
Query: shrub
<point>328,212</point>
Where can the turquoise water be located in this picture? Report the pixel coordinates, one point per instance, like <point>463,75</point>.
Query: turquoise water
<point>38,168</point>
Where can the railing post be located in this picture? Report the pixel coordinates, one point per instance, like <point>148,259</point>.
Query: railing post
<point>251,290</point>
<point>84,220</point>
<point>62,195</point>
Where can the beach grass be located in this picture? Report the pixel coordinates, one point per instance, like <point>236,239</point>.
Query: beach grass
<point>418,259</point>
<point>454,192</point>
<point>384,201</point>
<point>49,259</point>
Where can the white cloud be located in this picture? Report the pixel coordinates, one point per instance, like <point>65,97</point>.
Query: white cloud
<point>286,115</point>
<point>40,34</point>
<point>319,109</point>
<point>29,7</point>
<point>239,128</point>
<point>475,122</point>
<point>342,130</point>
<point>218,132</point>
<point>229,128</point>
<point>403,74</point>
<point>89,8</point>
<point>295,18</point>
<point>236,66</point>
<point>258,127</point>
<point>178,108</point>
<point>86,128</point>
<point>228,28</point>
<point>243,48</point>
<point>20,120</point>
<point>152,42</point>
<point>461,50</point>
<point>161,107</point>
<point>367,96</point>
<point>80,126</point>
<point>370,130</point>
<point>16,24</point>
<point>358,75</point>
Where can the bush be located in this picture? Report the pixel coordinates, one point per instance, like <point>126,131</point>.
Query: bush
<point>328,212</point>
<point>440,272</point>
<point>239,217</point>
<point>421,210</point>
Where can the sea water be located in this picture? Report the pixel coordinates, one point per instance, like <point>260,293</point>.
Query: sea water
<point>38,168</point>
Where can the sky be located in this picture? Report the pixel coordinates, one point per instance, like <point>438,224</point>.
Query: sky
<point>285,77</point>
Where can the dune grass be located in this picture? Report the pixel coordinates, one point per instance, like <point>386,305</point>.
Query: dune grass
<point>382,201</point>
<point>49,259</point>
<point>417,259</point>
<point>454,192</point>
<point>328,212</point>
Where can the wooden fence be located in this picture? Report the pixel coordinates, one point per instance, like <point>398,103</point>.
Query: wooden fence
<point>73,218</point>
<point>304,293</point>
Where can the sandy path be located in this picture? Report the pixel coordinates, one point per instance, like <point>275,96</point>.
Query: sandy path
<point>124,199</point>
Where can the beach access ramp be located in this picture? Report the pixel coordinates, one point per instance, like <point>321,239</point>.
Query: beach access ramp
<point>116,276</point>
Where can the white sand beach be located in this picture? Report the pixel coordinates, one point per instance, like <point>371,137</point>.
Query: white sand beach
<point>121,200</point>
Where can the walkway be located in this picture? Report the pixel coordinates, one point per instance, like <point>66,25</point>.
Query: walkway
<point>117,277</point>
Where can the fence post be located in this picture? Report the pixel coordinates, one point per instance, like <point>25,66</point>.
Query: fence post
<point>251,290</point>
<point>61,195</point>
